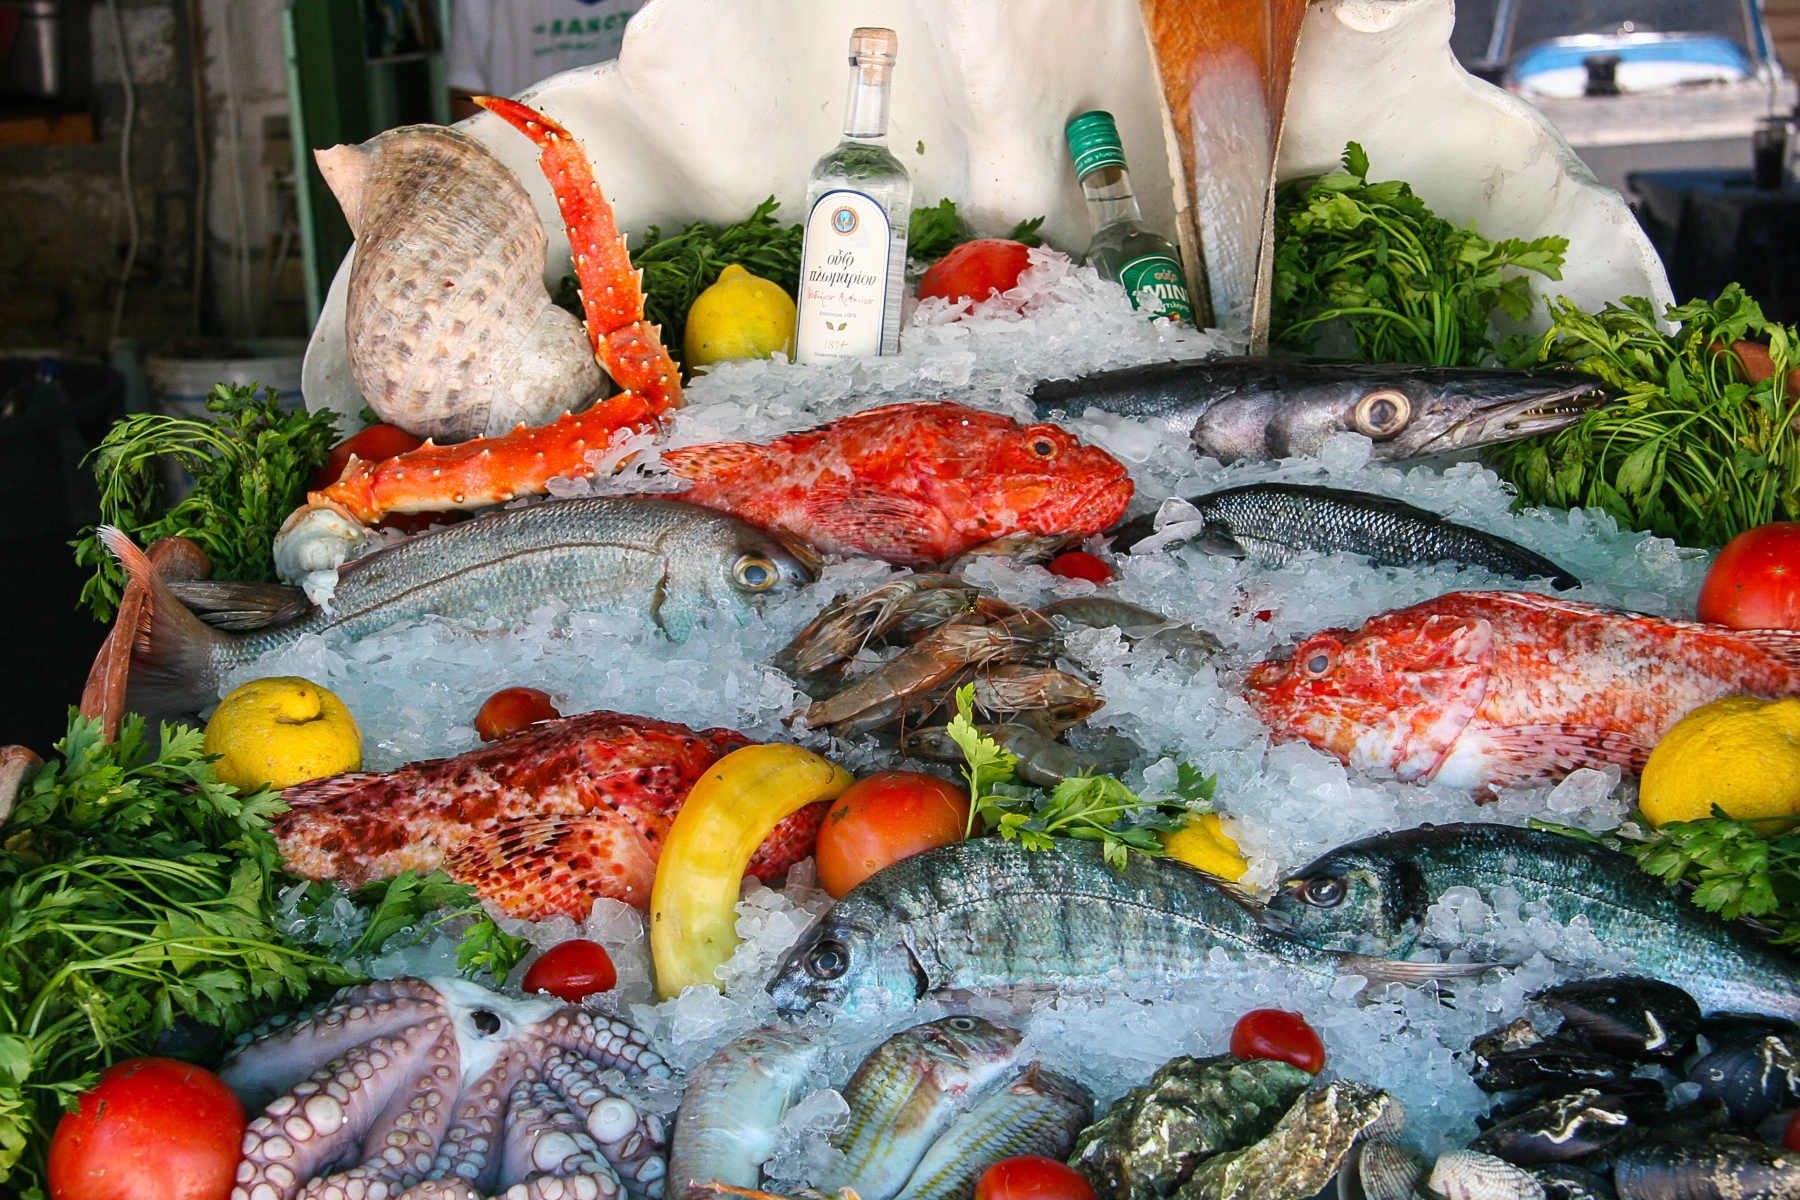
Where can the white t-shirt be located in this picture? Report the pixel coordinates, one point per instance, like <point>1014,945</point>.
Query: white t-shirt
<point>502,47</point>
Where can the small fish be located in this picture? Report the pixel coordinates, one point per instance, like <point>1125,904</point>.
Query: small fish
<point>1040,1113</point>
<point>1259,408</point>
<point>909,1090</point>
<point>539,824</point>
<point>1509,689</point>
<point>952,918</point>
<point>730,1118</point>
<point>1371,897</point>
<point>1271,522</point>
<point>914,484</point>
<point>666,561</point>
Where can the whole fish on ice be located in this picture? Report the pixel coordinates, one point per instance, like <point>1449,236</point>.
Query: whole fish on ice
<point>1371,897</point>
<point>1271,522</point>
<point>1509,689</point>
<point>1259,408</point>
<point>914,484</point>
<point>539,824</point>
<point>669,562</point>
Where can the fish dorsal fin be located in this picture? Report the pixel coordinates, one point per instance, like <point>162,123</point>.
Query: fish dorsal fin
<point>876,520</point>
<point>1523,755</point>
<point>540,866</point>
<point>346,170</point>
<point>1782,644</point>
<point>704,463</point>
<point>316,792</point>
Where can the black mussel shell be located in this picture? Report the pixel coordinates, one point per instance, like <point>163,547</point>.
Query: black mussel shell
<point>1719,1168</point>
<point>1643,1100</point>
<point>1694,1122</point>
<point>1563,1182</point>
<point>1514,1035</point>
<point>1552,1060</point>
<point>1563,1129</point>
<point>1753,1077</point>
<point>1634,1018</point>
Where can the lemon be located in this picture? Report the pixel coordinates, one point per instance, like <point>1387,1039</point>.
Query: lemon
<point>1740,753</point>
<point>280,732</point>
<point>740,316</point>
<point>1203,843</point>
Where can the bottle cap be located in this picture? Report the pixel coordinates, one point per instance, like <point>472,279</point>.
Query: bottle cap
<point>1094,141</point>
<point>871,44</point>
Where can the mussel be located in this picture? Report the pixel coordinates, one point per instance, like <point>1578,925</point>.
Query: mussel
<point>1754,1074</point>
<point>1561,1129</point>
<point>1718,1168</point>
<point>1563,1182</point>
<point>1553,1060</point>
<point>1644,1020</point>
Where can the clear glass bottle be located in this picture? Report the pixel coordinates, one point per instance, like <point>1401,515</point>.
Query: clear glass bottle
<point>1123,248</point>
<point>858,202</point>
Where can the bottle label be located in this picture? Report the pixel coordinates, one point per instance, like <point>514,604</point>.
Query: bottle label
<point>1157,286</point>
<point>843,279</point>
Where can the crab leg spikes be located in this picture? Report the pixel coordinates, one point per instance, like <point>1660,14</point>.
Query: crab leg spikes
<point>612,291</point>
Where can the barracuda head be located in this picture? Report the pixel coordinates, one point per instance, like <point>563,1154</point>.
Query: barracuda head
<point>844,964</point>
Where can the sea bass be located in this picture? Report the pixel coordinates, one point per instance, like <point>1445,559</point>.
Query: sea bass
<point>1508,689</point>
<point>1371,897</point>
<point>986,913</point>
<point>1272,522</point>
<point>914,484</point>
<point>1257,408</point>
<point>1038,1113</point>
<point>541,823</point>
<point>667,561</point>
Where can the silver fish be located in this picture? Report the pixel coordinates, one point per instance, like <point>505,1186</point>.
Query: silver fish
<point>1259,408</point>
<point>1039,1113</point>
<point>1271,522</point>
<point>731,1112</point>
<point>668,562</point>
<point>909,1090</point>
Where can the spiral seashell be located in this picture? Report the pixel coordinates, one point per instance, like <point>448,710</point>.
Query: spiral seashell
<point>1467,1175</point>
<point>450,332</point>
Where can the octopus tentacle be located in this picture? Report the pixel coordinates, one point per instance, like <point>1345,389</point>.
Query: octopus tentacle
<point>610,1043</point>
<point>545,1136</point>
<point>400,1145</point>
<point>273,1058</point>
<point>634,1143</point>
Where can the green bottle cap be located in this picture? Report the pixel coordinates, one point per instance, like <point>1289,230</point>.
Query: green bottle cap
<point>1094,141</point>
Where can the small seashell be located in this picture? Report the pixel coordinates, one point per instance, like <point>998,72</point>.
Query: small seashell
<point>1468,1175</point>
<point>1382,1170</point>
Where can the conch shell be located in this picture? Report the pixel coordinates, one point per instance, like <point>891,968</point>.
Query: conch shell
<point>450,332</point>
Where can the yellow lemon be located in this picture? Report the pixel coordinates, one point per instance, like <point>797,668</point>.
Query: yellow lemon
<point>740,316</point>
<point>280,732</point>
<point>1740,753</point>
<point>1204,844</point>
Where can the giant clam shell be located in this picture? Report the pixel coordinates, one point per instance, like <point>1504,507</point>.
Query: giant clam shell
<point>449,330</point>
<point>1721,1168</point>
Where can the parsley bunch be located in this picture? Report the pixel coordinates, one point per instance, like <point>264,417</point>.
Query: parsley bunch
<point>934,231</point>
<point>1094,808</point>
<point>1411,286</point>
<point>1735,870</point>
<point>250,467</point>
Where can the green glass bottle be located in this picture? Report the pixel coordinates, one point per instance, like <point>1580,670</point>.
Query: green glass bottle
<point>1123,249</point>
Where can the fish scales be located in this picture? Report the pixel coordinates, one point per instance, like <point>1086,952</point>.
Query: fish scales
<point>1040,1113</point>
<point>730,1115</point>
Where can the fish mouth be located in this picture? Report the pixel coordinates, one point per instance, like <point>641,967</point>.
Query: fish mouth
<point>810,560</point>
<point>1510,420</point>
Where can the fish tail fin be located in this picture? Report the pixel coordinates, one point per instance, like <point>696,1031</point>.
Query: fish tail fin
<point>173,672</point>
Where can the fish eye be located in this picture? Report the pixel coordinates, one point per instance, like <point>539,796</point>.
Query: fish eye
<point>1321,891</point>
<point>1316,661</point>
<point>755,572</point>
<point>827,960</point>
<point>1042,444</point>
<point>961,1024</point>
<point>1382,413</point>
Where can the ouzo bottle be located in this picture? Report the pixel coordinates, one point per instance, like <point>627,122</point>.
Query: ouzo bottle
<point>858,201</point>
<point>1123,248</point>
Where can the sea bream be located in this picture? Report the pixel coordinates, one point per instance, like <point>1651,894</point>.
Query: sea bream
<point>668,562</point>
<point>1372,897</point>
<point>1262,408</point>
<point>1509,689</point>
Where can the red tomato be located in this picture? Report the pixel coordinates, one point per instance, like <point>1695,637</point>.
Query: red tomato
<point>150,1127</point>
<point>572,971</point>
<point>1755,581</point>
<point>1032,1177</point>
<point>377,443</point>
<point>975,270</point>
<point>1283,1036</point>
<point>510,710</point>
<point>1079,564</point>
<point>882,819</point>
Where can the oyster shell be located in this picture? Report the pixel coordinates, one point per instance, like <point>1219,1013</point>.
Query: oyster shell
<point>449,330</point>
<point>1304,1150</point>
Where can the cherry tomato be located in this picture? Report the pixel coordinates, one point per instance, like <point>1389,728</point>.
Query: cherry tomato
<point>1032,1177</point>
<point>882,819</point>
<point>150,1127</point>
<point>1283,1036</point>
<point>975,270</point>
<point>510,710</point>
<point>1079,564</point>
<point>1755,581</point>
<point>377,443</point>
<point>572,971</point>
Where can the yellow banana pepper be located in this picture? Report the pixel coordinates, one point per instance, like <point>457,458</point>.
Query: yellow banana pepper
<point>693,905</point>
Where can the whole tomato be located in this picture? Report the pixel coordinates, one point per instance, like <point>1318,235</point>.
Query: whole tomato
<point>572,971</point>
<point>1283,1036</point>
<point>150,1127</point>
<point>1032,1177</point>
<point>1755,581</point>
<point>377,443</point>
<point>510,710</point>
<point>882,819</point>
<point>1079,564</point>
<point>977,269</point>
